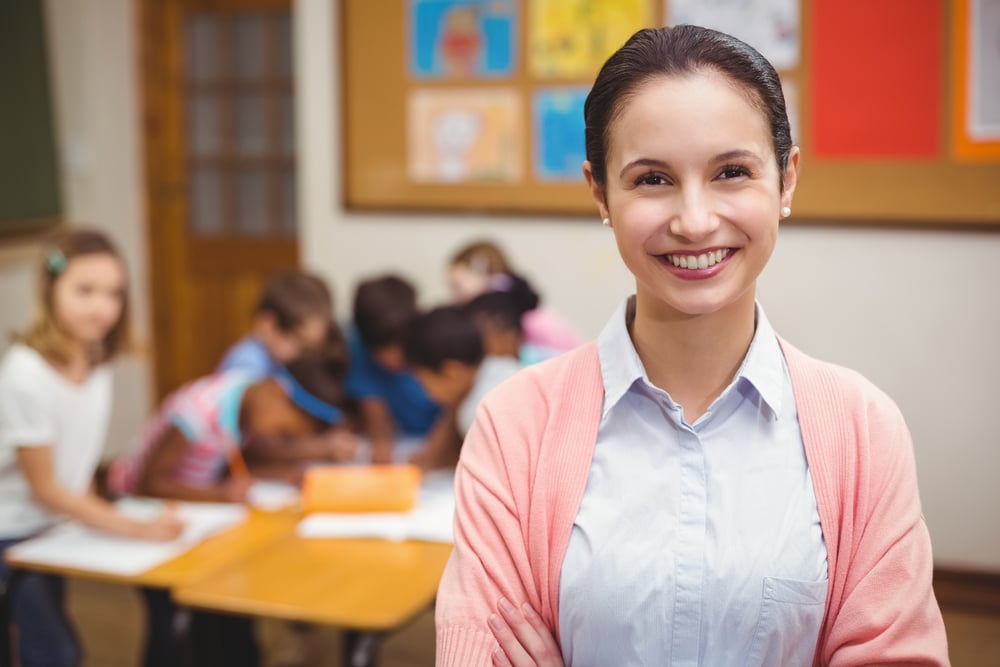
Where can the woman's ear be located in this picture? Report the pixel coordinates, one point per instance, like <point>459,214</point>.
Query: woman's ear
<point>596,190</point>
<point>790,178</point>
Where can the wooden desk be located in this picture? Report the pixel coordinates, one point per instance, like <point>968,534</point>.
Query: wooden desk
<point>368,587</point>
<point>259,530</point>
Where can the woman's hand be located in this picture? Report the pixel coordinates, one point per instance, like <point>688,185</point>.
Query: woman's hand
<point>524,639</point>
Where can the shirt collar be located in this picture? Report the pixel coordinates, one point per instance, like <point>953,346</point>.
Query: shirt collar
<point>763,367</point>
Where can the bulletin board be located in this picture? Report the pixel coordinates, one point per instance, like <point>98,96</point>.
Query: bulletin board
<point>476,105</point>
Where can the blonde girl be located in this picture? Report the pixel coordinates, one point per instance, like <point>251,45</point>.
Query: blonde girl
<point>55,403</point>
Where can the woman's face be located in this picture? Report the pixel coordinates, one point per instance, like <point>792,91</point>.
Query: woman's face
<point>88,297</point>
<point>693,193</point>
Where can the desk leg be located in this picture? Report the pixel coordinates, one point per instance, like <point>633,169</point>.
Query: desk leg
<point>361,648</point>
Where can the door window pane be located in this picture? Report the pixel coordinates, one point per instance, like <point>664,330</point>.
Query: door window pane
<point>288,225</point>
<point>204,124</point>
<point>251,125</point>
<point>201,48</point>
<point>249,46</point>
<point>286,124</point>
<point>205,216</point>
<point>282,28</point>
<point>251,202</point>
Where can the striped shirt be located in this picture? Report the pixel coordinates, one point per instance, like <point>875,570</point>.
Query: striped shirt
<point>207,412</point>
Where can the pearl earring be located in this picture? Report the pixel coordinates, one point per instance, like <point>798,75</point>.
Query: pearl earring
<point>606,222</point>
<point>786,211</point>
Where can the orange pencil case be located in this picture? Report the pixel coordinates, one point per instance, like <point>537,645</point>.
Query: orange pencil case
<point>370,488</point>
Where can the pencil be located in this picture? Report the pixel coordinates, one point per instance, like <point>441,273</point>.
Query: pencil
<point>237,466</point>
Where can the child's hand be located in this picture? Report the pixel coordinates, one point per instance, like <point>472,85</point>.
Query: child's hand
<point>164,527</point>
<point>341,445</point>
<point>235,488</point>
<point>382,452</point>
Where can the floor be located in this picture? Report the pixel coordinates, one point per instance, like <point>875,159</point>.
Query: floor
<point>109,619</point>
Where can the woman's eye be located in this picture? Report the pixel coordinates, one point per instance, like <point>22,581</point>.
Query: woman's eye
<point>651,178</point>
<point>734,171</point>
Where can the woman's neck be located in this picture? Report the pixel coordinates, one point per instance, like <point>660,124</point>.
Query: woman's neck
<point>693,358</point>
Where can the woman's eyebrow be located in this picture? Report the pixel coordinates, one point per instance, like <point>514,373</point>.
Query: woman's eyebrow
<point>644,162</point>
<point>738,154</point>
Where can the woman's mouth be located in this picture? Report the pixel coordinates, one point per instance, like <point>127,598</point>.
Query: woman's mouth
<point>700,261</point>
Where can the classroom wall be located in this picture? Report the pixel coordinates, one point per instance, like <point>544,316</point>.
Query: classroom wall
<point>92,57</point>
<point>912,309</point>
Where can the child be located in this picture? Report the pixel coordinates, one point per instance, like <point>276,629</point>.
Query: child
<point>481,267</point>
<point>445,349</point>
<point>500,315</point>
<point>202,430</point>
<point>292,318</point>
<point>55,403</point>
<point>390,399</point>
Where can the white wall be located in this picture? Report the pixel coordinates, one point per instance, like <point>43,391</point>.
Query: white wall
<point>93,61</point>
<point>914,310</point>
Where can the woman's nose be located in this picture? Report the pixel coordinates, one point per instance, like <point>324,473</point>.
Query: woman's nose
<point>694,220</point>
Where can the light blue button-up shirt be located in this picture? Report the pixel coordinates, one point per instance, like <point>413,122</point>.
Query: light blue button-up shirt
<point>695,544</point>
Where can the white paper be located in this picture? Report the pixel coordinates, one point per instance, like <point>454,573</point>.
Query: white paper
<point>271,495</point>
<point>431,520</point>
<point>984,70</point>
<point>770,26</point>
<point>73,545</point>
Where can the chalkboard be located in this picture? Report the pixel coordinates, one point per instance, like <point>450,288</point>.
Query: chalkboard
<point>29,175</point>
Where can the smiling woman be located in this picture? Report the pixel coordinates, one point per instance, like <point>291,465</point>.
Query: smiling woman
<point>690,488</point>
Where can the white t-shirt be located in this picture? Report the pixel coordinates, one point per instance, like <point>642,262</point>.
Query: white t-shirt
<point>492,371</point>
<point>39,407</point>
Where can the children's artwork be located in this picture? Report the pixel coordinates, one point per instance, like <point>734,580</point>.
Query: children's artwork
<point>770,26</point>
<point>572,38</point>
<point>471,135</point>
<point>74,546</point>
<point>559,134</point>
<point>462,38</point>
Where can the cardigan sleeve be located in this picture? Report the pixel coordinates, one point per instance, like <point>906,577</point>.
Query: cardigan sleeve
<point>887,612</point>
<point>490,558</point>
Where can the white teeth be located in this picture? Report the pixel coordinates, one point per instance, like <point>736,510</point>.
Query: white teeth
<point>702,261</point>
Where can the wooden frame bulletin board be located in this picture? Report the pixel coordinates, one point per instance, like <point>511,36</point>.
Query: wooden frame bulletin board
<point>878,93</point>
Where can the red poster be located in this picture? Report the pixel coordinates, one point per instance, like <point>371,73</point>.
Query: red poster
<point>875,78</point>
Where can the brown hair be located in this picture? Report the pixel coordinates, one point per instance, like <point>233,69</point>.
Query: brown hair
<point>383,308</point>
<point>294,296</point>
<point>44,334</point>
<point>677,51</point>
<point>484,257</point>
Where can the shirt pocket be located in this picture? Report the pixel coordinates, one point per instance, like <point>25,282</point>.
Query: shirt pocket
<point>791,612</point>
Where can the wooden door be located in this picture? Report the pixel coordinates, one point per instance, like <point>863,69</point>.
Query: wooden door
<point>220,171</point>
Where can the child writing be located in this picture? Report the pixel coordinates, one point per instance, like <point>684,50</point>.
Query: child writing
<point>390,400</point>
<point>292,318</point>
<point>482,267</point>
<point>55,403</point>
<point>198,444</point>
<point>445,349</point>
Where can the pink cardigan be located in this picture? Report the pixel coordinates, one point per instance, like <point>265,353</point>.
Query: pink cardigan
<point>524,468</point>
